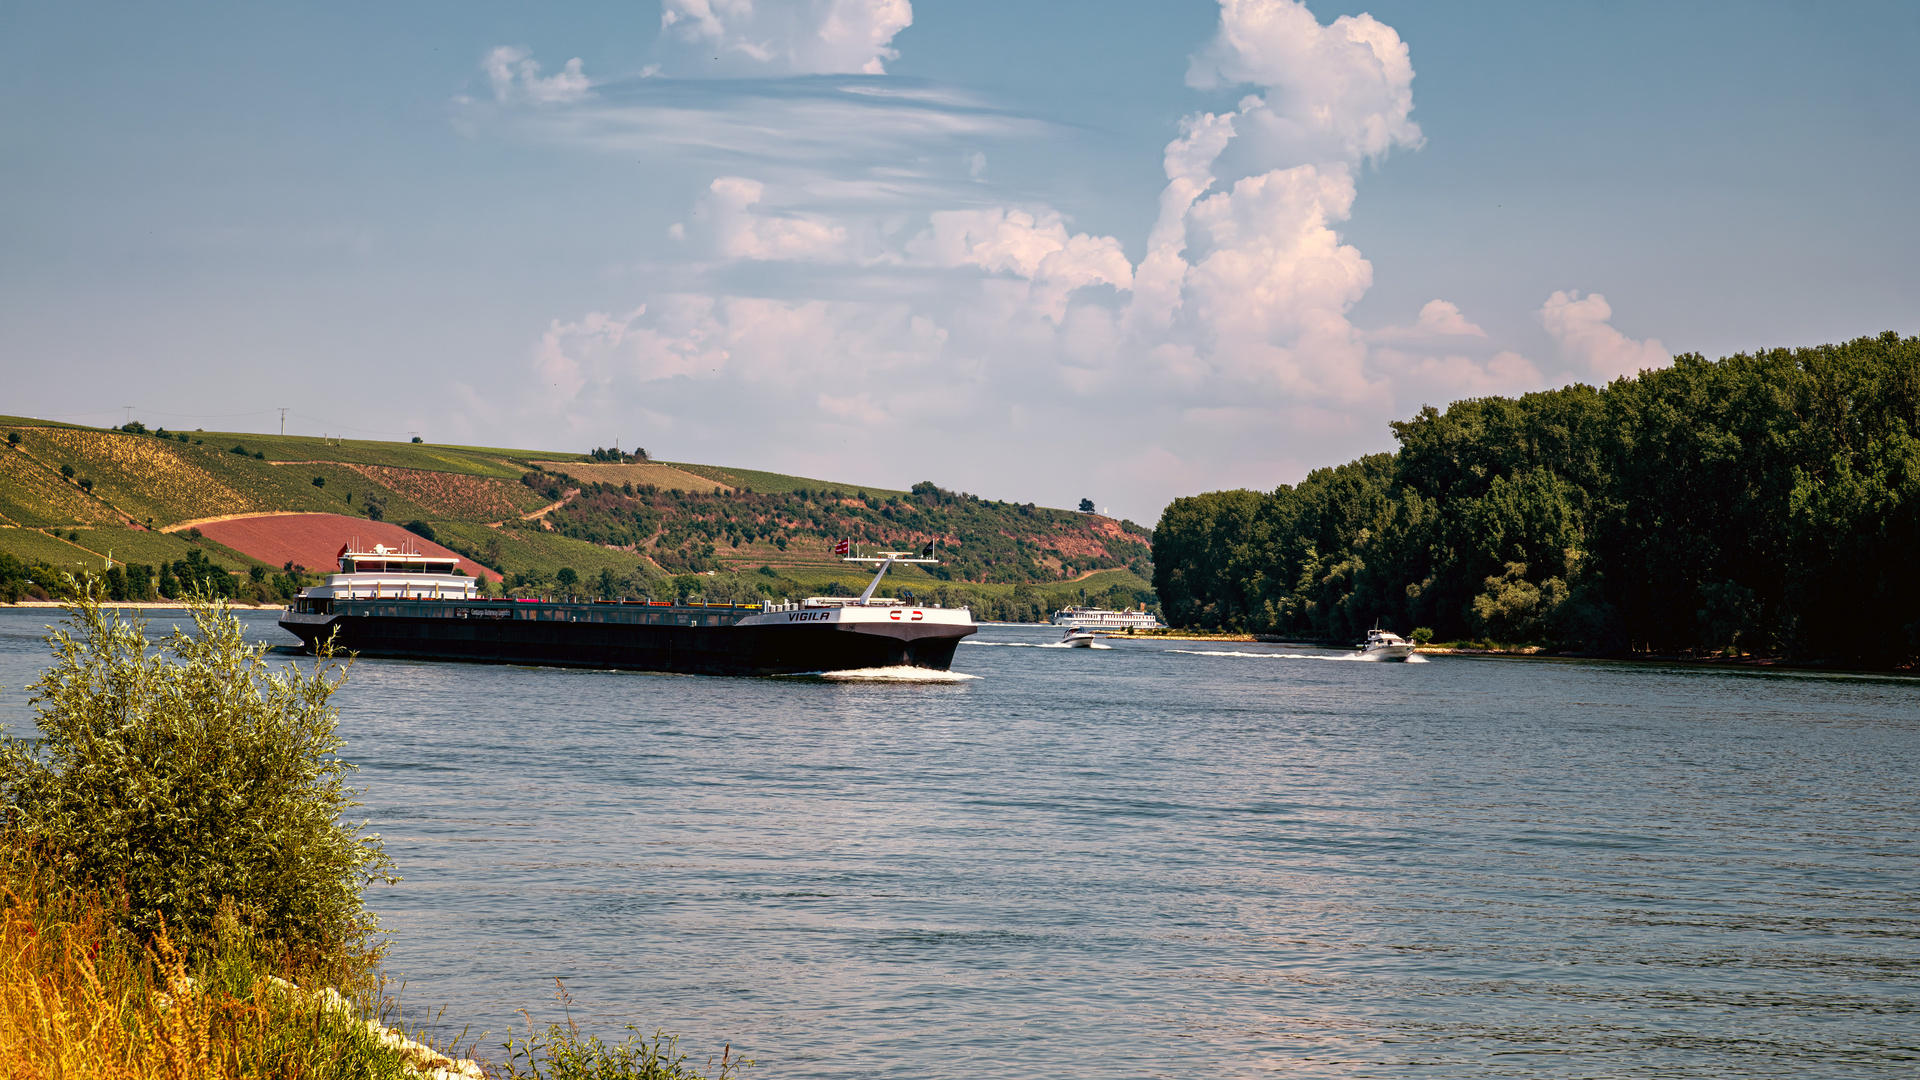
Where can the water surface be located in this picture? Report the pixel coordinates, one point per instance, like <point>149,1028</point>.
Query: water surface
<point>1159,859</point>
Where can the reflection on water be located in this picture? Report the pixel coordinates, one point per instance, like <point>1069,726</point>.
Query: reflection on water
<point>1160,861</point>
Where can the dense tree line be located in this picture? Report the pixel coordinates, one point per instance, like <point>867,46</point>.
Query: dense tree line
<point>1762,503</point>
<point>195,575</point>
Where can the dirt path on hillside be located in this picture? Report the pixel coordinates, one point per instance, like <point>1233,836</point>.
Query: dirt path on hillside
<point>540,514</point>
<point>184,525</point>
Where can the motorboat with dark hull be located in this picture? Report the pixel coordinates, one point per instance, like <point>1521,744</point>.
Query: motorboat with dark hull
<point>399,604</point>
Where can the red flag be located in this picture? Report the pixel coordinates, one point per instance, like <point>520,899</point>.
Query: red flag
<point>840,548</point>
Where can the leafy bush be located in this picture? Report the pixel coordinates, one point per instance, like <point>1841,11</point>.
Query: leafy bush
<point>191,777</point>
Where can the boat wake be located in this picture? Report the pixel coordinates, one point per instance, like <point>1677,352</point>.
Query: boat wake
<point>1341,657</point>
<point>1035,644</point>
<point>901,674</point>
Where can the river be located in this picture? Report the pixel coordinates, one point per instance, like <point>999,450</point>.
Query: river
<point>1157,859</point>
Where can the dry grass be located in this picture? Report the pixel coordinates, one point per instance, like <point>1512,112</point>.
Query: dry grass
<point>660,476</point>
<point>442,495</point>
<point>82,999</point>
<point>32,492</point>
<point>142,475</point>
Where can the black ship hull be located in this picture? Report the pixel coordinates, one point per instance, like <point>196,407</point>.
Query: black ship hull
<point>681,639</point>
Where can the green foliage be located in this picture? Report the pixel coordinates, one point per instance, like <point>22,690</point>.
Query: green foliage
<point>422,530</point>
<point>562,1052</point>
<point>1763,503</point>
<point>1423,635</point>
<point>192,776</point>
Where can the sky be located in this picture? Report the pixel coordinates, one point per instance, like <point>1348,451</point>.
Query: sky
<point>1038,252</point>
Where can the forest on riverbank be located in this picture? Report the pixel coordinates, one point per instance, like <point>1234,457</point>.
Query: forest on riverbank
<point>1764,504</point>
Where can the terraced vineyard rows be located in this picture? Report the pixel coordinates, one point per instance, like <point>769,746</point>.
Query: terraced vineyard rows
<point>624,527</point>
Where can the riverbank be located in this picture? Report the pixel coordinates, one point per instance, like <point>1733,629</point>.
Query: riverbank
<point>1181,635</point>
<point>1539,652</point>
<point>132,605</point>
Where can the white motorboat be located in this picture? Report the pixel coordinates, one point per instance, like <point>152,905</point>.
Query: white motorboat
<point>1385,645</point>
<point>1078,638</point>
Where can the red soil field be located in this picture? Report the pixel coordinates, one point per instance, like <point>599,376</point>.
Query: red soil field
<point>313,540</point>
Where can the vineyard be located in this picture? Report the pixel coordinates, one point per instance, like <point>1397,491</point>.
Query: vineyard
<point>253,504</point>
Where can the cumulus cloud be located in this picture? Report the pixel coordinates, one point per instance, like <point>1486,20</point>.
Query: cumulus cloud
<point>515,75</point>
<point>845,306</point>
<point>740,232</point>
<point>1341,92</point>
<point>794,37</point>
<point>1581,327</point>
<point>1439,320</point>
<point>1033,245</point>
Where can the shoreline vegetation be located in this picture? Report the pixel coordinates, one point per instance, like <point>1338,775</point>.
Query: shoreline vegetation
<point>183,888</point>
<point>1760,508</point>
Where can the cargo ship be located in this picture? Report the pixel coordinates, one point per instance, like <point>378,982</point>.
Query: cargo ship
<point>393,602</point>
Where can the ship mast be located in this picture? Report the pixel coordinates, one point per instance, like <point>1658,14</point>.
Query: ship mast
<point>886,559</point>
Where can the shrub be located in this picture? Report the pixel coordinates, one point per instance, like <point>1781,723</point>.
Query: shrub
<point>1423,635</point>
<point>192,777</point>
<point>422,530</point>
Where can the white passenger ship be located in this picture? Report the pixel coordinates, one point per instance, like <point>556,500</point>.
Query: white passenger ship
<point>1104,619</point>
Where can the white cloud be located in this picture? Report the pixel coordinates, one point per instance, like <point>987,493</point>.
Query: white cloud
<point>1033,245</point>
<point>1602,353</point>
<point>834,292</point>
<point>516,76</point>
<point>1438,321</point>
<point>742,233</point>
<point>1422,379</point>
<point>1341,92</point>
<point>796,37</point>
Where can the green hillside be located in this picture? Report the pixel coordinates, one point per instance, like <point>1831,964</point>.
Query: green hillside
<point>69,495</point>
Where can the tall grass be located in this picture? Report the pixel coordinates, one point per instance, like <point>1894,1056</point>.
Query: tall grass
<point>81,996</point>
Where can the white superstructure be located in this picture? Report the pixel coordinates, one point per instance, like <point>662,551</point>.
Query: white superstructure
<point>383,572</point>
<point>1385,645</point>
<point>1104,619</point>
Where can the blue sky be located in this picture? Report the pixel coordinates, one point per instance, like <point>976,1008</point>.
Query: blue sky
<point>1038,252</point>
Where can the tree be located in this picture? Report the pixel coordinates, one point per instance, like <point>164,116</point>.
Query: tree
<point>609,584</point>
<point>192,775</point>
<point>423,530</point>
<point>86,485</point>
<point>13,438</point>
<point>66,471</point>
<point>567,579</point>
<point>417,438</point>
<point>1086,506</point>
<point>319,481</point>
